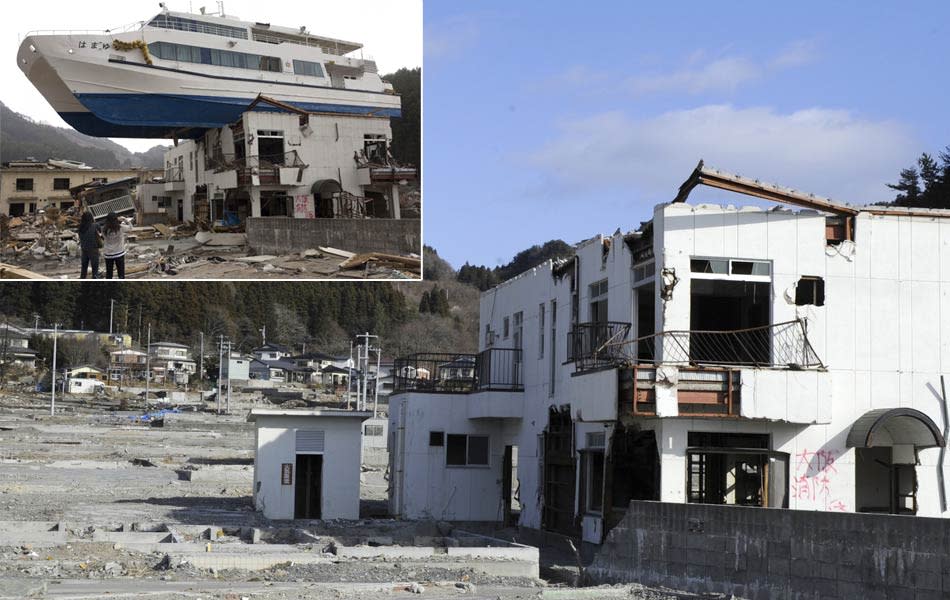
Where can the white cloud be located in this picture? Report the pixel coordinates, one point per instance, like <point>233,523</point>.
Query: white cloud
<point>451,37</point>
<point>822,151</point>
<point>723,74</point>
<point>796,54</point>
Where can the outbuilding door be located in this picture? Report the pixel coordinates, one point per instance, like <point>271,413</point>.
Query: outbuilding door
<point>308,489</point>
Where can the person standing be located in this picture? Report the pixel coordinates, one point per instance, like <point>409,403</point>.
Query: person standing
<point>114,249</point>
<point>90,241</point>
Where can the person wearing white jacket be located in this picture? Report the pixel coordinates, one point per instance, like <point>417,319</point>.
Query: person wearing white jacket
<point>114,248</point>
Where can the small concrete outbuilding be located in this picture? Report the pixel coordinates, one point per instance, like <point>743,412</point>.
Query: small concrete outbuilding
<point>307,463</point>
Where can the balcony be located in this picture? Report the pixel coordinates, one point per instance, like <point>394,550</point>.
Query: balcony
<point>494,369</point>
<point>271,169</point>
<point>593,346</point>
<point>769,372</point>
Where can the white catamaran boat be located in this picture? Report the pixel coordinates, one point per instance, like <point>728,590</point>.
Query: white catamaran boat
<point>179,74</point>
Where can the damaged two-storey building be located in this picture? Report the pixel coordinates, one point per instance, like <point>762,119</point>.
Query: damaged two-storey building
<point>725,355</point>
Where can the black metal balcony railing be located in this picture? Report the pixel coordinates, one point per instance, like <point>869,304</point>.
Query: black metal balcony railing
<point>493,369</point>
<point>595,345</point>
<point>779,345</point>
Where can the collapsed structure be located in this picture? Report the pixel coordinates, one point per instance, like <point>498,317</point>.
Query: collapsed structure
<point>720,355</point>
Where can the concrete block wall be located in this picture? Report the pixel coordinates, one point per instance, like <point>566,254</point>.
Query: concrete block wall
<point>770,553</point>
<point>283,235</point>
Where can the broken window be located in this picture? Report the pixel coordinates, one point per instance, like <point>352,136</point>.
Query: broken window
<point>646,323</point>
<point>725,305</point>
<point>727,468</point>
<point>810,290</point>
<point>270,147</point>
<point>731,267</point>
<point>61,183</point>
<point>275,203</point>
<point>644,271</point>
<point>436,438</point>
<point>466,450</point>
<point>504,328</point>
<point>24,184</point>
<point>375,148</point>
<point>598,302</point>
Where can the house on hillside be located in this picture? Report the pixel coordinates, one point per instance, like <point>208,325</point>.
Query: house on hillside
<point>15,347</point>
<point>786,358</point>
<point>171,362</point>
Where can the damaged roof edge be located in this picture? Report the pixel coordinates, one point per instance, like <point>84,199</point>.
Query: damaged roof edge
<point>703,175</point>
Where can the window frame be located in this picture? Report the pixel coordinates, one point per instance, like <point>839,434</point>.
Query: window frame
<point>468,458</point>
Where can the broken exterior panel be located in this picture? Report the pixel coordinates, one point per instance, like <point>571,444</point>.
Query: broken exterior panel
<point>742,323</point>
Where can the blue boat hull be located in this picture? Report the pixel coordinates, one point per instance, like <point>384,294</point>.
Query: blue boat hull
<point>180,116</point>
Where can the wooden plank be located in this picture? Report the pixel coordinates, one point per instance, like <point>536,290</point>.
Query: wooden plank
<point>11,272</point>
<point>361,259</point>
<point>162,229</point>
<point>336,252</point>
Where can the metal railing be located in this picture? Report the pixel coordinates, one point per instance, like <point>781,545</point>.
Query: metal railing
<point>592,345</point>
<point>497,369</point>
<point>779,345</point>
<point>120,205</point>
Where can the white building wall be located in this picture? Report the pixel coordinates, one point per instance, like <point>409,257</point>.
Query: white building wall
<point>276,444</point>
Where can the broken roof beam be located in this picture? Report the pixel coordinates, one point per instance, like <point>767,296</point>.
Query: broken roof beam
<point>715,178</point>
<point>261,98</point>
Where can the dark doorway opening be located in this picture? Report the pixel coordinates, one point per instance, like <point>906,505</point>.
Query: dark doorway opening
<point>378,205</point>
<point>883,486</point>
<point>634,471</point>
<point>560,472</point>
<point>646,322</point>
<point>308,489</point>
<point>509,486</point>
<point>721,305</point>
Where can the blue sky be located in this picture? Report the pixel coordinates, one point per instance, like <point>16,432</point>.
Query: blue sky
<point>548,120</point>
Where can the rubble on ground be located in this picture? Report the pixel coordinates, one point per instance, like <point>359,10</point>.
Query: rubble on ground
<point>46,244</point>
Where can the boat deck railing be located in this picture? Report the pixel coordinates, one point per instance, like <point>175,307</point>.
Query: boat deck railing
<point>121,29</point>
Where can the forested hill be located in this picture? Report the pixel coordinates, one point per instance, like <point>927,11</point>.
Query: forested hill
<point>21,137</point>
<point>407,130</point>
<point>324,314</point>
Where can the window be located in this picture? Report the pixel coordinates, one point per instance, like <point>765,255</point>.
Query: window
<point>436,438</point>
<point>211,56</point>
<point>504,328</point>
<point>552,372</point>
<point>24,185</point>
<point>731,267</point>
<point>644,271</point>
<point>61,183</point>
<point>810,290</point>
<point>598,302</point>
<point>311,69</point>
<point>100,180</point>
<point>594,480</point>
<point>489,336</point>
<point>466,450</point>
<point>373,430</point>
<point>164,21</point>
<point>541,330</point>
<point>519,329</point>
<point>735,468</point>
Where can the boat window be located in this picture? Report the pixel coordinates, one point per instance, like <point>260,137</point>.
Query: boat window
<point>181,24</point>
<point>210,56</point>
<point>305,67</point>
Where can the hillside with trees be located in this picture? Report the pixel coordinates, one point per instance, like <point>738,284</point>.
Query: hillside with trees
<point>483,277</point>
<point>22,137</point>
<point>407,130</point>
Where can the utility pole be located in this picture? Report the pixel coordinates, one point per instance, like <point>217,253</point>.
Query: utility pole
<point>201,360</point>
<point>52,398</point>
<point>379,358</point>
<point>349,376</point>
<point>363,358</point>
<point>227,357</point>
<point>140,325</point>
<point>148,364</point>
<point>111,308</point>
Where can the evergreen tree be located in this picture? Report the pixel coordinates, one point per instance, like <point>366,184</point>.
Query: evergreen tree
<point>424,303</point>
<point>908,188</point>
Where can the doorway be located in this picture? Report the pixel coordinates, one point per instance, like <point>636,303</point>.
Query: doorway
<point>883,485</point>
<point>734,306</point>
<point>308,490</point>
<point>560,473</point>
<point>509,486</point>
